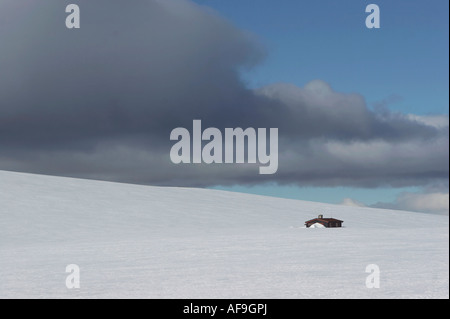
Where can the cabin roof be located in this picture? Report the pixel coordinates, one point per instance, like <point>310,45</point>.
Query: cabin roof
<point>324,220</point>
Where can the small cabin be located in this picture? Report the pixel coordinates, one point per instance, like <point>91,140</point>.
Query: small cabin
<point>325,222</point>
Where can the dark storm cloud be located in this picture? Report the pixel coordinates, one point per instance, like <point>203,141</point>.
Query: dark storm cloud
<point>100,102</point>
<point>131,69</point>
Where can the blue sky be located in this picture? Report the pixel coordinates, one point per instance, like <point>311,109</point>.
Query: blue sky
<point>407,58</point>
<point>403,65</point>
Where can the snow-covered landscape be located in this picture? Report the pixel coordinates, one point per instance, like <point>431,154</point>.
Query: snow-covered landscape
<point>133,241</point>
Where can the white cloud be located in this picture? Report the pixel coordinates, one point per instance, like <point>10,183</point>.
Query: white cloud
<point>434,203</point>
<point>437,121</point>
<point>429,203</point>
<point>351,202</point>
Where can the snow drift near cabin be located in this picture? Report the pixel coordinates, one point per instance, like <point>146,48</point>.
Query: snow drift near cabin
<point>133,241</point>
<point>316,225</point>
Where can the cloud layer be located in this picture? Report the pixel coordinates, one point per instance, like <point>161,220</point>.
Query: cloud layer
<point>100,102</point>
<point>436,203</point>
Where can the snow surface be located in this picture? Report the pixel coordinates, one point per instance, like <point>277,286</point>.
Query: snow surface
<point>135,241</point>
<point>317,225</point>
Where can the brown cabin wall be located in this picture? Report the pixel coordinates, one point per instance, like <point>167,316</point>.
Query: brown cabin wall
<point>326,224</point>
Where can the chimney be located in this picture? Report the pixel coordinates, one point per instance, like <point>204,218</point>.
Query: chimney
<point>320,216</point>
